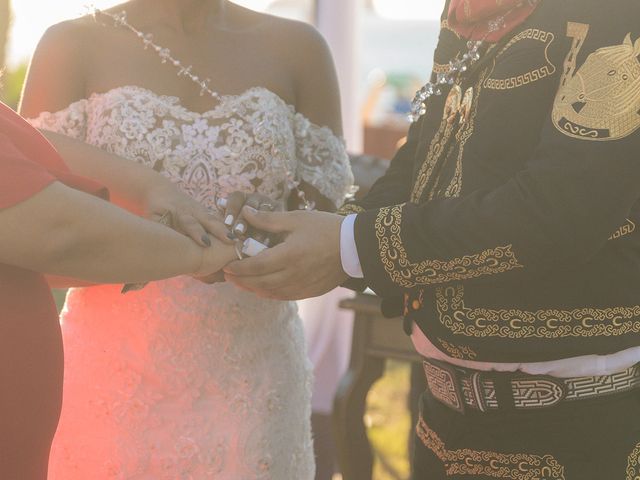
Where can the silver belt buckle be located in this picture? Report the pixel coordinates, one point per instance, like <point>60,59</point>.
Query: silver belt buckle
<point>443,384</point>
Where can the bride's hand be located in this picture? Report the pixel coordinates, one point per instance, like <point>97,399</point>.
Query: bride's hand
<point>214,259</point>
<point>182,213</point>
<point>232,211</point>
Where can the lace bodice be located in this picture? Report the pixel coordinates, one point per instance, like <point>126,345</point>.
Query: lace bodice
<point>184,380</point>
<point>249,142</point>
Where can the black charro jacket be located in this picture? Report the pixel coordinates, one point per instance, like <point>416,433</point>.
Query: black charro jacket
<point>514,236</point>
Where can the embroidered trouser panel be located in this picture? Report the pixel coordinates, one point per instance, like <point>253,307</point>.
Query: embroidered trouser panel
<point>588,440</point>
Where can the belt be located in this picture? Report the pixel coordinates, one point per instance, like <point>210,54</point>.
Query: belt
<point>464,389</point>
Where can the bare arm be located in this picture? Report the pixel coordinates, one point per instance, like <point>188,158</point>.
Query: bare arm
<point>317,92</point>
<point>68,233</point>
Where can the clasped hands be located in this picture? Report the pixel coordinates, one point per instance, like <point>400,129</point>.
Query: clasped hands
<point>303,260</point>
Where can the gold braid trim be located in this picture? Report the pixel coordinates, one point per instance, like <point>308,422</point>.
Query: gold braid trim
<point>633,464</point>
<point>349,209</point>
<point>408,274</point>
<point>519,324</point>
<point>461,352</point>
<point>627,229</point>
<point>533,75</point>
<point>514,466</point>
<point>444,25</point>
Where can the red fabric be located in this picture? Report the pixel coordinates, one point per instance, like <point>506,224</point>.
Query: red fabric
<point>28,162</point>
<point>31,359</point>
<point>471,18</point>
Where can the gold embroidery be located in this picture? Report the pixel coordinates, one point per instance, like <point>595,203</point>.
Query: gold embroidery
<point>627,229</point>
<point>444,25</point>
<point>436,148</point>
<point>408,274</point>
<point>455,315</point>
<point>601,101</point>
<point>514,466</point>
<point>529,77</point>
<point>349,209</point>
<point>461,352</point>
<point>633,464</point>
<point>441,68</point>
<point>471,109</point>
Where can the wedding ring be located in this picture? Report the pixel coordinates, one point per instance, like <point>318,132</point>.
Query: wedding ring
<point>268,206</point>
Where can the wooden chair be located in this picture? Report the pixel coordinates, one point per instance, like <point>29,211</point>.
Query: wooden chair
<point>375,339</point>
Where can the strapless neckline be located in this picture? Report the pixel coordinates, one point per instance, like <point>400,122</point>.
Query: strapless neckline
<point>175,102</point>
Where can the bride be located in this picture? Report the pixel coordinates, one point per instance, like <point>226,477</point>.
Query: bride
<point>183,380</point>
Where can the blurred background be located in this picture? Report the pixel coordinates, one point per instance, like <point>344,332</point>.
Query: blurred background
<point>383,52</point>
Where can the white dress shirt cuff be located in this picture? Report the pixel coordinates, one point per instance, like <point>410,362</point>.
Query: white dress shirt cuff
<point>348,250</point>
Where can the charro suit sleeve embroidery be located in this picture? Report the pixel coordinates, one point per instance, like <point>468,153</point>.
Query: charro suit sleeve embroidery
<point>581,182</point>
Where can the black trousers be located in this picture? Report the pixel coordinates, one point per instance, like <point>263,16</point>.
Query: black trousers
<point>596,439</point>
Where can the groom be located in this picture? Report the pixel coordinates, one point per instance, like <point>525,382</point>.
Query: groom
<point>505,232</point>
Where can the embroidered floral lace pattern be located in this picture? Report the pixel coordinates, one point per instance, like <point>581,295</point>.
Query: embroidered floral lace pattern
<point>184,380</point>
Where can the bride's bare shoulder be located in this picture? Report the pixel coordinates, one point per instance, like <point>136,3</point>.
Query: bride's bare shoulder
<point>280,34</point>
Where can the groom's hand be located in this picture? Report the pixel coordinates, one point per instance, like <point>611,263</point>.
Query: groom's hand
<point>306,264</point>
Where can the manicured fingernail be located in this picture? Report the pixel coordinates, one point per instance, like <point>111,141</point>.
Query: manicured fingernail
<point>251,209</point>
<point>241,228</point>
<point>229,220</point>
<point>221,203</point>
<point>206,240</point>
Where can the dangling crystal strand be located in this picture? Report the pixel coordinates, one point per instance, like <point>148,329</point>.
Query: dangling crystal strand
<point>456,68</point>
<point>120,20</point>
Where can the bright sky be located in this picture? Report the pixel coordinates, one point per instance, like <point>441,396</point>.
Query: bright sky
<point>32,17</point>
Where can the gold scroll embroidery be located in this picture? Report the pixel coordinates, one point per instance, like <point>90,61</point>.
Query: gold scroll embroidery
<point>465,461</point>
<point>437,150</point>
<point>513,323</point>
<point>350,208</point>
<point>408,274</point>
<point>461,352</point>
<point>601,101</point>
<point>633,464</point>
<point>531,76</point>
<point>627,229</point>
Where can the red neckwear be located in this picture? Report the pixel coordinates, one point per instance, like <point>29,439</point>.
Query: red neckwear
<point>488,20</point>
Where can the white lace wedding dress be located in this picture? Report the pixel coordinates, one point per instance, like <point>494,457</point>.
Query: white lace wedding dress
<point>183,380</point>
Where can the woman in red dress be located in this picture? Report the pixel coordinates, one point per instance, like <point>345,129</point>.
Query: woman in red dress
<point>49,225</point>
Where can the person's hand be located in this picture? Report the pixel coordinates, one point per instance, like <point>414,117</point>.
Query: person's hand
<point>232,208</point>
<point>182,213</point>
<point>306,264</point>
<point>214,259</point>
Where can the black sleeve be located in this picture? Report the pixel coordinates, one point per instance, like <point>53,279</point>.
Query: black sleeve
<point>579,186</point>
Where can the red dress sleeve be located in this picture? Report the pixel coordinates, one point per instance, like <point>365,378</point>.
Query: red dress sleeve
<point>29,163</point>
<point>20,178</point>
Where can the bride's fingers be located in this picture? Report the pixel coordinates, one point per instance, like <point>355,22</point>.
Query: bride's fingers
<point>240,227</point>
<point>189,226</point>
<point>214,226</point>
<point>235,202</point>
